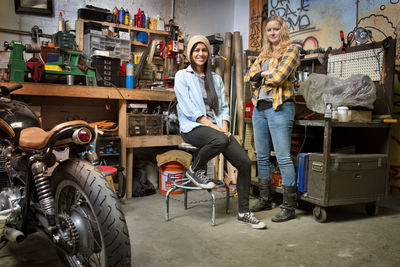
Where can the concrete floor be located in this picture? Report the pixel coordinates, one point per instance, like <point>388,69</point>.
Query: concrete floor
<point>349,238</point>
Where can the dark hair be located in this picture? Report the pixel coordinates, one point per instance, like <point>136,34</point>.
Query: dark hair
<point>212,98</point>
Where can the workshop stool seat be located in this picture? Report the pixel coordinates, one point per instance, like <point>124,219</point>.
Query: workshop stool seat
<point>184,184</point>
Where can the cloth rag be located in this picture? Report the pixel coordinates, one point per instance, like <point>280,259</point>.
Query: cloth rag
<point>37,68</point>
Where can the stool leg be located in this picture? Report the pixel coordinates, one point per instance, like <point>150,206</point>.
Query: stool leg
<point>212,207</point>
<point>227,199</point>
<point>167,203</point>
<point>185,198</point>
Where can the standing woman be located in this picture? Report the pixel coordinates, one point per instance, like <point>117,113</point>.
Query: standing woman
<point>203,115</point>
<point>273,114</point>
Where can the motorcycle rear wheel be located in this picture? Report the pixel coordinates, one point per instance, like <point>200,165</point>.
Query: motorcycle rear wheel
<point>82,193</point>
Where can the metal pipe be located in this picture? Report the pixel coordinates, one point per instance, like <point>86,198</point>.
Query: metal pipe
<point>173,10</point>
<point>49,36</point>
<point>13,235</point>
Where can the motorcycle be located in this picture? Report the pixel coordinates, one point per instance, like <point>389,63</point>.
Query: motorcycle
<point>73,205</point>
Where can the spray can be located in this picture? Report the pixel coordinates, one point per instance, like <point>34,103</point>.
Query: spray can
<point>129,75</point>
<point>143,20</point>
<point>139,19</point>
<point>121,16</point>
<point>115,15</point>
<point>126,22</point>
<point>61,23</point>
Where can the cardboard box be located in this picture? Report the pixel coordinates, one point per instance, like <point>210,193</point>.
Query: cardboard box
<point>360,115</point>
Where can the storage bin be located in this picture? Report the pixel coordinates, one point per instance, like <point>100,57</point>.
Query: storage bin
<point>145,124</point>
<point>350,179</point>
<point>117,47</point>
<point>108,69</point>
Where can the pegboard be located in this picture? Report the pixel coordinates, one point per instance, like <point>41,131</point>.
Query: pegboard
<point>367,62</point>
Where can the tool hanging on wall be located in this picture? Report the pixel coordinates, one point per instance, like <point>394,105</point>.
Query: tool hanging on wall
<point>173,47</point>
<point>362,35</point>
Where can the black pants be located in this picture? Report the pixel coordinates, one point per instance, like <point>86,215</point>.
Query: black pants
<point>212,142</point>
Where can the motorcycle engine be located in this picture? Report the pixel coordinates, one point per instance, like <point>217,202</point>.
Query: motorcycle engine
<point>9,197</point>
<point>4,157</point>
<point>9,200</point>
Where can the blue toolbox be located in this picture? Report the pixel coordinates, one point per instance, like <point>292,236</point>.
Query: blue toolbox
<point>302,172</point>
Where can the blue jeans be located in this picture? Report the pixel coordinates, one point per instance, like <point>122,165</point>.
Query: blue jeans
<point>276,125</point>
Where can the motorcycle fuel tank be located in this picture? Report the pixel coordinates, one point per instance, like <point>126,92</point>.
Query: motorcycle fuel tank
<point>17,115</point>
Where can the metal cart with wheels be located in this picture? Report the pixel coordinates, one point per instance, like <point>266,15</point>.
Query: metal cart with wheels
<point>342,179</point>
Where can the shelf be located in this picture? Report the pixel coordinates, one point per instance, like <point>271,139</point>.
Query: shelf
<point>81,91</point>
<point>152,141</point>
<point>79,31</point>
<point>311,57</point>
<point>109,155</point>
<point>321,123</point>
<point>132,28</point>
<point>139,43</point>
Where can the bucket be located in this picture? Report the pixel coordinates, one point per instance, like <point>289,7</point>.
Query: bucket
<point>169,172</point>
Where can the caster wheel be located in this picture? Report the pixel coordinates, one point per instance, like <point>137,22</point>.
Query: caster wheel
<point>371,208</point>
<point>320,214</point>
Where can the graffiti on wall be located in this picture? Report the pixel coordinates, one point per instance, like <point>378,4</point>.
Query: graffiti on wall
<point>255,29</point>
<point>258,14</point>
<point>298,20</point>
<point>393,2</point>
<point>296,17</point>
<point>382,20</point>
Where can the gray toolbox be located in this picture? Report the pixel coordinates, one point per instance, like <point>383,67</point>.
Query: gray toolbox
<point>347,179</point>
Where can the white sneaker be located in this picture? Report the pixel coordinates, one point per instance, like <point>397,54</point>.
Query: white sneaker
<point>249,218</point>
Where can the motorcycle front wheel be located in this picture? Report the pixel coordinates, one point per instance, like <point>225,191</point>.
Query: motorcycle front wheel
<point>93,215</point>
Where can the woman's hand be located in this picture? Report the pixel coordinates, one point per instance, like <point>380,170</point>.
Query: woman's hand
<point>267,72</point>
<point>207,122</point>
<point>225,128</point>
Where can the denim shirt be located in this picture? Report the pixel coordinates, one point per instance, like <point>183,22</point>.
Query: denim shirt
<point>190,100</point>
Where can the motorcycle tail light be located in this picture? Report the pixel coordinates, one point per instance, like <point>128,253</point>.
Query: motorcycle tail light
<point>82,136</point>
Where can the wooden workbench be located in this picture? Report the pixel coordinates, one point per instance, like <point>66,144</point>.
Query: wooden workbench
<point>128,143</point>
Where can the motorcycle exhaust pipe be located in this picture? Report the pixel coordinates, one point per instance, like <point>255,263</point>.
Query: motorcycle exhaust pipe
<point>13,235</point>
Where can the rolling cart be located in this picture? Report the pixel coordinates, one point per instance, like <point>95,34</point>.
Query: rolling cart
<point>342,179</point>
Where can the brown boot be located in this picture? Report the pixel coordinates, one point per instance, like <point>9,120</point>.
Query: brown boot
<point>264,201</point>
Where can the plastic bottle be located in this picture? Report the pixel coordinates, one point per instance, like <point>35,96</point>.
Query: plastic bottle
<point>160,23</point>
<point>61,23</point>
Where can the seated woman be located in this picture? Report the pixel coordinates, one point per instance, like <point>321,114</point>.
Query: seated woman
<point>203,115</point>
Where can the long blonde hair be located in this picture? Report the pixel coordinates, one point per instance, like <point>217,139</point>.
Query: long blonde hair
<point>267,50</point>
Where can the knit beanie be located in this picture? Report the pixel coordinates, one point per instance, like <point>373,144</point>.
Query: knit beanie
<point>195,39</point>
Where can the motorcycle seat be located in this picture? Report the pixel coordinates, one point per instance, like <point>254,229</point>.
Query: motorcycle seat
<point>37,138</point>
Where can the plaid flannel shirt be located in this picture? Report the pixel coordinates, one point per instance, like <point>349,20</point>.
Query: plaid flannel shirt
<point>280,81</point>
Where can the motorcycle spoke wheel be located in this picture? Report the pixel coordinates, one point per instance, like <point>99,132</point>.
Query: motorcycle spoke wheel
<point>85,196</point>
<point>72,200</point>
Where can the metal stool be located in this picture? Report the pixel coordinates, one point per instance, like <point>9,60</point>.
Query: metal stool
<point>183,184</point>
